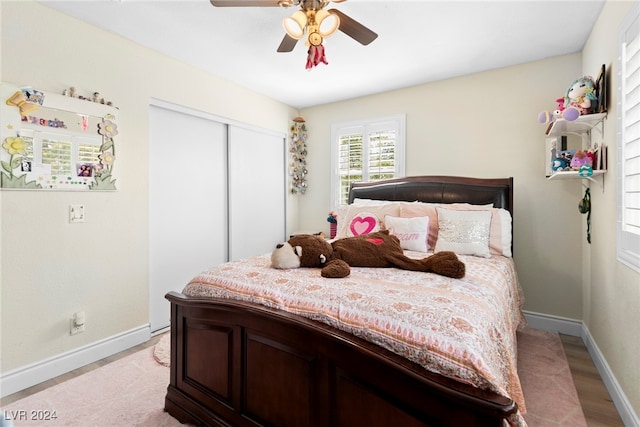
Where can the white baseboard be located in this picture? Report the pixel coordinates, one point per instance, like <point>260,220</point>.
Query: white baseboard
<point>30,375</point>
<point>577,328</point>
<point>547,322</point>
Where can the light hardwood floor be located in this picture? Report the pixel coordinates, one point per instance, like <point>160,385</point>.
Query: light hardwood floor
<point>596,402</point>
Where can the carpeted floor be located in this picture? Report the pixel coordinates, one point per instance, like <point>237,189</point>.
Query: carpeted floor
<point>130,391</point>
<point>127,392</point>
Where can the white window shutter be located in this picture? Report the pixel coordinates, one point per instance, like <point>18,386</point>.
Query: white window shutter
<point>628,153</point>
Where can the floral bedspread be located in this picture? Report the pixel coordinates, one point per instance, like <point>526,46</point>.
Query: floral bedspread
<point>463,329</point>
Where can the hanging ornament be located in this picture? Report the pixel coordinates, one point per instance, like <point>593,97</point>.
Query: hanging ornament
<point>315,54</point>
<point>298,151</point>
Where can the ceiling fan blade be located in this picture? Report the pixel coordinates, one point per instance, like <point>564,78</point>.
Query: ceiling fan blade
<point>244,3</point>
<point>287,44</point>
<point>354,29</point>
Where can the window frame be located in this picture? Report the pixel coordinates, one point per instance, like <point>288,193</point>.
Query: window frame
<point>398,123</point>
<point>627,242</point>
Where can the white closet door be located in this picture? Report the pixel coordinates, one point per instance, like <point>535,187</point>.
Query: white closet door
<point>257,181</point>
<point>187,202</point>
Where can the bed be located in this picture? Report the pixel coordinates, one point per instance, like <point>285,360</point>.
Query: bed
<point>290,359</point>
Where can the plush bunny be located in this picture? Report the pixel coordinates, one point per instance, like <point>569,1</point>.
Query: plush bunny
<point>379,249</point>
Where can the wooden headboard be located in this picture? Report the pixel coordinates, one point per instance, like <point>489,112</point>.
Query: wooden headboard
<point>438,189</point>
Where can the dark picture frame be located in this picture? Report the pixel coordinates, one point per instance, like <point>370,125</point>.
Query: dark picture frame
<point>601,90</point>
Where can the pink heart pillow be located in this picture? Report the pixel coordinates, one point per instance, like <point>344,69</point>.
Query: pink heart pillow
<point>362,225</point>
<point>355,220</point>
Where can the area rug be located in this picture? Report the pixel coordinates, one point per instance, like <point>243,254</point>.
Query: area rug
<point>127,392</point>
<point>549,391</point>
<point>162,350</point>
<point>130,391</point>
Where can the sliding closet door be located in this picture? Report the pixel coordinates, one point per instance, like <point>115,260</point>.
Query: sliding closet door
<point>187,202</point>
<point>257,190</point>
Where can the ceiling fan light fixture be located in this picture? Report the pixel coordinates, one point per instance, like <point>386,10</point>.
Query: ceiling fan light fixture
<point>327,22</point>
<point>294,24</point>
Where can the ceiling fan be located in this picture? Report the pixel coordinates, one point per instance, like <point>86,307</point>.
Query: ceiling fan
<point>312,19</point>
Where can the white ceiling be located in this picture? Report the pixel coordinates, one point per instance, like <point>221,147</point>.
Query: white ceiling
<point>418,42</point>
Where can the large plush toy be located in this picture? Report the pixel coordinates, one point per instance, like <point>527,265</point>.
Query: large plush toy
<point>379,249</point>
<point>579,100</point>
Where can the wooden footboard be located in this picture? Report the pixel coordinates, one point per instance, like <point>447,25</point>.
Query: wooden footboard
<point>239,364</point>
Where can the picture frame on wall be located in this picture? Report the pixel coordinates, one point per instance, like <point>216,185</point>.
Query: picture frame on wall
<point>54,142</point>
<point>601,90</point>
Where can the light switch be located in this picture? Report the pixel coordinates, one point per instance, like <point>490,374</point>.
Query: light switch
<point>76,213</point>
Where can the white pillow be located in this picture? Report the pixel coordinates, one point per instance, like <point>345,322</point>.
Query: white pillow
<point>504,245</point>
<point>463,232</point>
<point>413,233</point>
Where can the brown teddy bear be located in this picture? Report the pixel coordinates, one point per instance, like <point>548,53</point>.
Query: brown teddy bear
<point>379,249</point>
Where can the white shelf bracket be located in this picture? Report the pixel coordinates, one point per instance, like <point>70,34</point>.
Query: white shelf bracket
<point>599,128</point>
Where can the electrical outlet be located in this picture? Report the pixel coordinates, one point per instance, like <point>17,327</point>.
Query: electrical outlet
<point>77,323</point>
<point>76,213</point>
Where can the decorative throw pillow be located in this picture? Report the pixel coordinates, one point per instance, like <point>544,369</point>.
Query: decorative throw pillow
<point>464,232</point>
<point>413,233</point>
<point>500,234</point>
<point>420,209</point>
<point>355,220</point>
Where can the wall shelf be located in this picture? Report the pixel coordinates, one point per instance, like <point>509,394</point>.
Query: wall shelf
<point>576,175</point>
<point>579,126</point>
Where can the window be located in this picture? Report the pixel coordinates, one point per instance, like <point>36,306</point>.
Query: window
<point>370,150</point>
<point>628,154</point>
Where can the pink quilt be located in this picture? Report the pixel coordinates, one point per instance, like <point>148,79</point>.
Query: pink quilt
<point>463,329</point>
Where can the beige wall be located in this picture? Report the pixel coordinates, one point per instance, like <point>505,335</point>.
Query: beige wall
<point>611,289</point>
<point>50,268</point>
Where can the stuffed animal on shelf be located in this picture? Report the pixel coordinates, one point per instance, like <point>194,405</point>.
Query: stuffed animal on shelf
<point>580,159</point>
<point>379,249</point>
<point>580,98</point>
<point>551,116</point>
<point>559,164</point>
<point>563,161</point>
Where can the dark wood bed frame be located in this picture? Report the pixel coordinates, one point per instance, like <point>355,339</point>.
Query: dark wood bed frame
<point>241,364</point>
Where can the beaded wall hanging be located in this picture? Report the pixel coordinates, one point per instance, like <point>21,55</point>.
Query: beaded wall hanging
<point>298,152</point>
